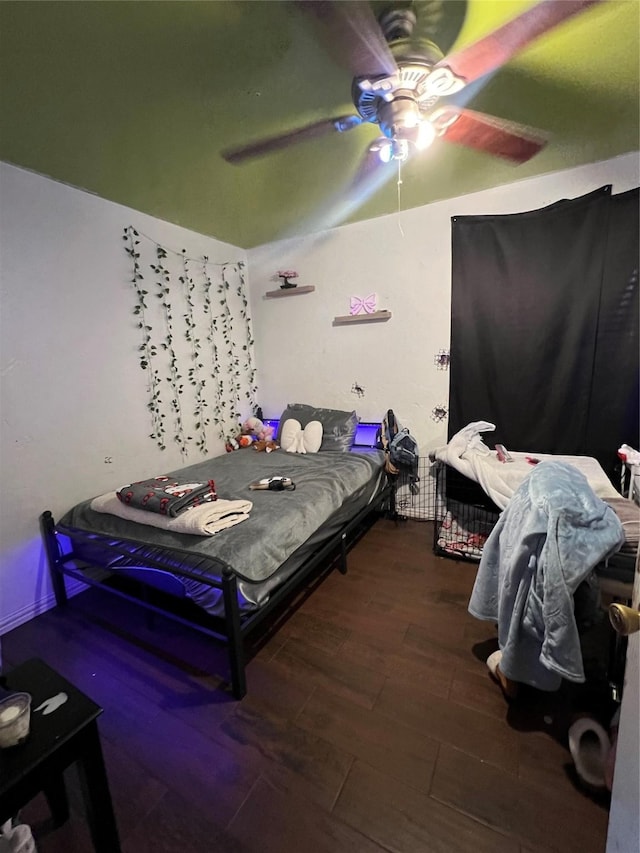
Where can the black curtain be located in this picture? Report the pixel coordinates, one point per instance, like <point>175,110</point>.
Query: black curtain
<point>614,410</point>
<point>544,326</point>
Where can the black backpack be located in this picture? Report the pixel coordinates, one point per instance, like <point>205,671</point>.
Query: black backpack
<point>401,449</point>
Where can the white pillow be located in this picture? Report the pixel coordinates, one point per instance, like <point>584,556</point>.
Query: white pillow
<point>294,439</point>
<point>312,437</point>
<point>291,431</point>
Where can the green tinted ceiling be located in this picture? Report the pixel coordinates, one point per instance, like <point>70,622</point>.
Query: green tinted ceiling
<point>135,100</point>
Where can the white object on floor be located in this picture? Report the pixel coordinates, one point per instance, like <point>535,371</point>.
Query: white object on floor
<point>589,745</point>
<point>509,688</point>
<point>493,661</point>
<point>16,839</point>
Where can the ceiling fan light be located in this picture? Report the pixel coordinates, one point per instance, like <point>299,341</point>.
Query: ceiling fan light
<point>394,149</point>
<point>426,135</point>
<point>411,119</point>
<point>385,152</point>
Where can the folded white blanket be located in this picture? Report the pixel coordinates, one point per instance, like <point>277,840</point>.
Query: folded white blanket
<point>204,520</point>
<point>468,454</point>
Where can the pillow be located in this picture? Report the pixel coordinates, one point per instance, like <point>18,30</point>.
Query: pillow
<point>294,439</point>
<point>338,427</point>
<point>289,433</point>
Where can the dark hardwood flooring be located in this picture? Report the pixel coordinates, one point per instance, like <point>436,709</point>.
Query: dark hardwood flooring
<point>370,724</point>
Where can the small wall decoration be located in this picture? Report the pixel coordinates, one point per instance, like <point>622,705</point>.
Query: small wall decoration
<point>286,275</point>
<point>357,389</point>
<point>366,305</point>
<point>439,413</point>
<point>442,359</point>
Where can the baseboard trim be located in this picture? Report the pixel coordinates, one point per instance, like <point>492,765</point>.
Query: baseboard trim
<point>19,617</point>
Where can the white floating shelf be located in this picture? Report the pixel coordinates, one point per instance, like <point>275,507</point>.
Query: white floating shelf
<point>290,291</point>
<point>376,317</point>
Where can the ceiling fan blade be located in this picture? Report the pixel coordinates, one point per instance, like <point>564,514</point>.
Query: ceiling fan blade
<point>320,128</point>
<point>514,142</point>
<point>352,35</point>
<point>498,47</point>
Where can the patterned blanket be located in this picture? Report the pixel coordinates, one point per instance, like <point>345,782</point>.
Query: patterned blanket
<point>166,495</point>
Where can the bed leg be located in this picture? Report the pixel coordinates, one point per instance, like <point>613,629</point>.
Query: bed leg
<point>342,565</point>
<point>149,615</point>
<point>52,550</point>
<point>234,633</point>
<point>393,513</point>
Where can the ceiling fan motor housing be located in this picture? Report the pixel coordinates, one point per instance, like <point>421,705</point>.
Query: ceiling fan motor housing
<point>414,59</point>
<point>389,101</point>
<point>399,118</point>
<point>397,23</point>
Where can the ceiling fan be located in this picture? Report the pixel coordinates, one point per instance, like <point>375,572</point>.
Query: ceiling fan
<point>398,81</point>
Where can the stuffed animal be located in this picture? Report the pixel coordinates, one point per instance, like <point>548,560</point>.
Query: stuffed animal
<point>266,446</point>
<point>255,427</point>
<point>251,432</point>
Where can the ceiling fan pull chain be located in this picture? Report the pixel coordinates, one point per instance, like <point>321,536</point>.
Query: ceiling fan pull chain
<point>399,193</point>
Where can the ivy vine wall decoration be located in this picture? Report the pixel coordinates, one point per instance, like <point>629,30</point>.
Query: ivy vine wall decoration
<point>196,343</point>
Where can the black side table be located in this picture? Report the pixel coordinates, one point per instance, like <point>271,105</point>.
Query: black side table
<point>57,740</point>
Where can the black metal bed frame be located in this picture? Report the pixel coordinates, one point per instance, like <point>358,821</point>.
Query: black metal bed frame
<point>229,630</point>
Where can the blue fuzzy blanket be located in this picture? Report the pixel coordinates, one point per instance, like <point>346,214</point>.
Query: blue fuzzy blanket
<point>551,535</point>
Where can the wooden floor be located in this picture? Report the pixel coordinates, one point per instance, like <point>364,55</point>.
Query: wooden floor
<point>370,724</point>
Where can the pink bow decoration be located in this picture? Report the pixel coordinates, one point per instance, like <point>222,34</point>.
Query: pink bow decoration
<point>363,306</point>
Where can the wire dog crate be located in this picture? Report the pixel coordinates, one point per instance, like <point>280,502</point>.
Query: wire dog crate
<point>464,515</point>
<point>417,501</point>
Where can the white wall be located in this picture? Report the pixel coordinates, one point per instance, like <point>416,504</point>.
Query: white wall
<point>406,259</point>
<point>72,392</point>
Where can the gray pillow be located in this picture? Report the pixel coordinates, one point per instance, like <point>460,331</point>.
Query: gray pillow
<point>338,428</point>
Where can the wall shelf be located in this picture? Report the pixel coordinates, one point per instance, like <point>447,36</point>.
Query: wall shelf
<point>376,317</point>
<point>290,291</point>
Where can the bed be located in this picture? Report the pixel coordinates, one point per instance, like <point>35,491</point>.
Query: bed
<point>473,487</point>
<point>226,584</point>
<point>475,491</point>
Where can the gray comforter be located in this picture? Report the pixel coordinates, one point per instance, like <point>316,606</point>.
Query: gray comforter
<point>279,521</point>
<point>551,535</point>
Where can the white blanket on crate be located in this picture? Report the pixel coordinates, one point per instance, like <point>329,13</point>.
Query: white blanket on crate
<point>468,454</point>
<point>204,520</point>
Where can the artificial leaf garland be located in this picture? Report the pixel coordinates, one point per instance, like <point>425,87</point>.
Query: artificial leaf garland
<point>212,333</point>
<point>174,379</point>
<point>247,348</point>
<point>194,373</point>
<point>188,333</point>
<point>230,345</point>
<point>147,350</point>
